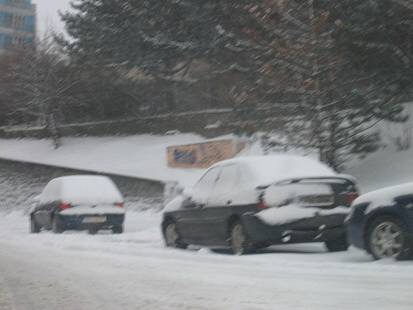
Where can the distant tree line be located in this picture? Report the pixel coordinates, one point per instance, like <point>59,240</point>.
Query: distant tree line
<point>324,71</point>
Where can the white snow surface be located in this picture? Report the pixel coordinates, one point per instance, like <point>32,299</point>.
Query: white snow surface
<point>385,196</point>
<point>388,166</point>
<point>292,212</point>
<point>81,190</point>
<point>175,204</point>
<point>135,271</point>
<point>265,170</point>
<point>383,169</point>
<point>142,156</point>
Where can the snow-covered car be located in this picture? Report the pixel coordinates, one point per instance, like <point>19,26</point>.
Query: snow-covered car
<point>381,222</point>
<point>252,202</point>
<point>79,202</point>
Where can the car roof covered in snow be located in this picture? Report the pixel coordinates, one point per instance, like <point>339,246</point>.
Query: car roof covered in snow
<point>265,170</point>
<point>385,196</point>
<point>82,189</point>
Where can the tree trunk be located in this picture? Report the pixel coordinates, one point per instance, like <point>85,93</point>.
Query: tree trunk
<point>53,130</point>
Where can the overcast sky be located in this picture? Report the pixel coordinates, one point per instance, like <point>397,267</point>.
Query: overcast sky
<point>47,14</point>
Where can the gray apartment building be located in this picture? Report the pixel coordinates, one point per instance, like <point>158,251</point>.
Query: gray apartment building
<point>17,23</point>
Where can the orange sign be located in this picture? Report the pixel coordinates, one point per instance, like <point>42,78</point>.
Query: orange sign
<point>202,155</point>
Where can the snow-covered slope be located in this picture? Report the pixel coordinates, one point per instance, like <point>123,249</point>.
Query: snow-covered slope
<point>384,168</point>
<point>143,156</point>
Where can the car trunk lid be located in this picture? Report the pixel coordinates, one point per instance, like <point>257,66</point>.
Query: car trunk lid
<point>317,192</point>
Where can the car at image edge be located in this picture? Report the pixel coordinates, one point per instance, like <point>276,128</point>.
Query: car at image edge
<point>81,202</point>
<point>229,205</point>
<point>381,222</point>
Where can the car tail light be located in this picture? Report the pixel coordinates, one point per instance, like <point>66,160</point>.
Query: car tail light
<point>119,205</point>
<point>351,196</point>
<point>64,206</point>
<point>262,206</point>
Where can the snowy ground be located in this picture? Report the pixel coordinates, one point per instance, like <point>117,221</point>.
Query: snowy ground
<point>134,271</point>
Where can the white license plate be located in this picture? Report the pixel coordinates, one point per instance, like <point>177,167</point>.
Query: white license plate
<point>94,219</point>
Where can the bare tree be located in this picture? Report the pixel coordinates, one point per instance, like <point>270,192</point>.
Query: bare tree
<point>42,78</point>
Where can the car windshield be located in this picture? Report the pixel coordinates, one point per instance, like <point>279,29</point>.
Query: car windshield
<point>206,155</point>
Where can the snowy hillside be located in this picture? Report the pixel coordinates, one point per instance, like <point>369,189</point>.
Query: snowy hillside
<point>388,166</point>
<point>143,156</point>
<point>384,168</point>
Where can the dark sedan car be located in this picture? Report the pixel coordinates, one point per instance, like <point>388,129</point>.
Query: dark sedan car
<point>381,222</point>
<point>254,202</point>
<point>78,203</point>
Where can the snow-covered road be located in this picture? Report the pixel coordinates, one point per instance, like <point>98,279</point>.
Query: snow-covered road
<point>134,271</point>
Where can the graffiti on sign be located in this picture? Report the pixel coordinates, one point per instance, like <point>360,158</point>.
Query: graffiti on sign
<point>202,155</point>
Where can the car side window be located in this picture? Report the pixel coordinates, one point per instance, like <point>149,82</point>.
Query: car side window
<point>223,192</point>
<point>49,193</point>
<point>227,179</point>
<point>204,186</point>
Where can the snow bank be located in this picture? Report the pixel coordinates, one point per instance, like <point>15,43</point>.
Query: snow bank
<point>291,213</point>
<point>383,169</point>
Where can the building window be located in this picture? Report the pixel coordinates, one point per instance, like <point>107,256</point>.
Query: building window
<point>6,19</point>
<point>5,40</point>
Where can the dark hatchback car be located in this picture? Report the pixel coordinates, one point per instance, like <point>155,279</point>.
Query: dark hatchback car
<point>78,203</point>
<point>381,222</point>
<point>253,202</point>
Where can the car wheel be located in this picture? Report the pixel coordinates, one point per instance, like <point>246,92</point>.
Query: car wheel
<point>388,238</point>
<point>240,243</point>
<point>337,245</point>
<point>34,227</point>
<point>93,230</point>
<point>57,225</point>
<point>171,236</point>
<point>117,229</point>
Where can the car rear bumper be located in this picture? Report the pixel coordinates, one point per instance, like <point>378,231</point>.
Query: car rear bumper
<point>79,222</point>
<point>316,229</point>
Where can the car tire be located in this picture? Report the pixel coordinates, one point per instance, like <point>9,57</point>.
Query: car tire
<point>171,236</point>
<point>117,229</point>
<point>57,225</point>
<point>387,237</point>
<point>92,230</point>
<point>337,245</point>
<point>34,227</point>
<point>239,241</point>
